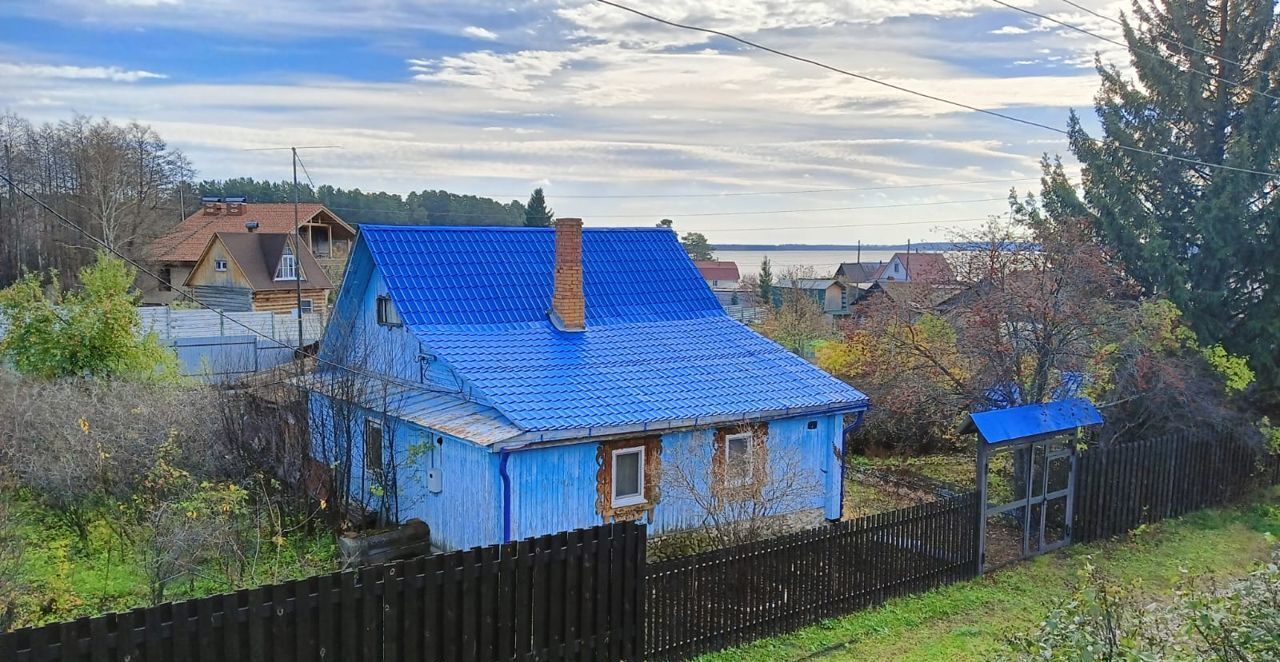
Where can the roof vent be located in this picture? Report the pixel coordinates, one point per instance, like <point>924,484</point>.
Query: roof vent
<point>235,206</point>
<point>250,226</point>
<point>211,203</point>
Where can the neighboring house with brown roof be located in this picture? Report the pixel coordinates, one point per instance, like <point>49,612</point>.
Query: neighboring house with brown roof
<point>258,271</point>
<point>918,267</point>
<point>916,297</point>
<point>327,237</point>
<point>858,272</point>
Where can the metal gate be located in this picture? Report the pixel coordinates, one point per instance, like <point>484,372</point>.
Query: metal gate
<point>1026,468</point>
<point>1029,492</point>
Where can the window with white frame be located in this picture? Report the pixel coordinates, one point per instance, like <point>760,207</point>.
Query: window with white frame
<point>628,477</point>
<point>288,269</point>
<point>739,460</point>
<point>219,265</point>
<point>307,306</point>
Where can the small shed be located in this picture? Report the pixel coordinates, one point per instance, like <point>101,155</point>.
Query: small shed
<point>1033,451</point>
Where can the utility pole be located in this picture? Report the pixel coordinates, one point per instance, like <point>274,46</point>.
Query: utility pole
<point>297,247</point>
<point>297,223</point>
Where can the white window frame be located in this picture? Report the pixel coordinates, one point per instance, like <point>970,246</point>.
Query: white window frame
<point>627,499</point>
<point>219,265</point>
<point>292,273</point>
<point>748,477</point>
<point>308,306</point>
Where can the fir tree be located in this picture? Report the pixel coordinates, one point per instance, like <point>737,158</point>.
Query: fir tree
<point>766,282</point>
<point>536,213</point>
<point>1203,237</point>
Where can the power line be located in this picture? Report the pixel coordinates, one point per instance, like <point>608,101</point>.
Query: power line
<point>718,213</point>
<point>786,192</point>
<point>854,225</point>
<point>1109,40</point>
<point>923,95</point>
<point>65,221</point>
<point>799,211</point>
<point>1157,35</point>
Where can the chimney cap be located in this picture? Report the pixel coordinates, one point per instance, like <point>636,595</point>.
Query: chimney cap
<point>250,225</point>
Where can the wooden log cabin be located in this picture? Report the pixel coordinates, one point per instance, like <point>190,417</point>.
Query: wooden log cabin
<point>258,271</point>
<point>174,255</point>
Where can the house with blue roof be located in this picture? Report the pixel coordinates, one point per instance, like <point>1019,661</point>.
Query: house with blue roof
<point>524,381</point>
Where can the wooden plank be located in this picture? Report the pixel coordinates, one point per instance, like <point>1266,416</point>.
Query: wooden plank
<point>411,610</point>
<point>305,617</point>
<point>451,606</point>
<point>232,642</point>
<point>207,635</point>
<point>100,649</point>
<point>487,643</point>
<point>370,614</point>
<point>257,625</point>
<point>282,626</point>
<point>392,585</point>
<point>349,617</point>
<point>507,607</point>
<point>327,603</point>
<point>470,613</point>
<point>432,598</point>
<point>602,626</point>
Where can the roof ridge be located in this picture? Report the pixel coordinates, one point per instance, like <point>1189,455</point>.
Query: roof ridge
<point>501,228</point>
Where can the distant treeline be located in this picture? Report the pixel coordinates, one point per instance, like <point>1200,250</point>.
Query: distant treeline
<point>355,206</point>
<point>928,246</point>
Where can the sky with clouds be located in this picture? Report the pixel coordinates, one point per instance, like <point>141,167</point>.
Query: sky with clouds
<point>623,121</point>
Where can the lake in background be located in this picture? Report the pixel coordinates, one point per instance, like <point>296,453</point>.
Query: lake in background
<point>823,263</point>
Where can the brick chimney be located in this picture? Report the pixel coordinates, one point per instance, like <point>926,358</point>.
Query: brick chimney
<point>568,306</point>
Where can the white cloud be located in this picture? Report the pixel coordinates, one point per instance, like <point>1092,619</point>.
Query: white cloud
<point>479,32</point>
<point>116,74</point>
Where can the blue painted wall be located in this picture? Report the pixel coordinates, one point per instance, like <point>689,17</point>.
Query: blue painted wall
<point>354,335</point>
<point>553,488</point>
<point>465,513</point>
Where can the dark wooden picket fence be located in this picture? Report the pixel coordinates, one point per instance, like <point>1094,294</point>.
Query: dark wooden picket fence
<point>1122,487</point>
<point>574,595</point>
<point>721,598</point>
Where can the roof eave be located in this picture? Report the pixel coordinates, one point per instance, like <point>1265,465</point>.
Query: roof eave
<point>600,433</point>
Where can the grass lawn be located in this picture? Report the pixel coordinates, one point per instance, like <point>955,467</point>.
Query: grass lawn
<point>63,578</point>
<point>969,621</point>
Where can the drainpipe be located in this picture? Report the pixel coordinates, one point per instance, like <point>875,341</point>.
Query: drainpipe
<point>503,455</point>
<point>848,430</point>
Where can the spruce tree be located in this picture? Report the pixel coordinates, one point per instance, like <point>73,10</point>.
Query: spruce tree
<point>536,213</point>
<point>1205,77</point>
<point>766,281</point>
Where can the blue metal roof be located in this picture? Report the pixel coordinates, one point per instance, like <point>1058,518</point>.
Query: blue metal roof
<point>658,347</point>
<point>1031,421</point>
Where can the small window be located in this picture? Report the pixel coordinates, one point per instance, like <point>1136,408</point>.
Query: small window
<point>812,425</point>
<point>288,269</point>
<point>372,445</point>
<point>897,267</point>
<point>739,460</point>
<point>307,306</point>
<point>166,279</point>
<point>387,314</point>
<point>219,265</point>
<point>628,477</point>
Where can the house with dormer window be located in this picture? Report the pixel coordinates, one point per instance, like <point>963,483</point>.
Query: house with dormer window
<point>258,271</point>
<point>547,379</point>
